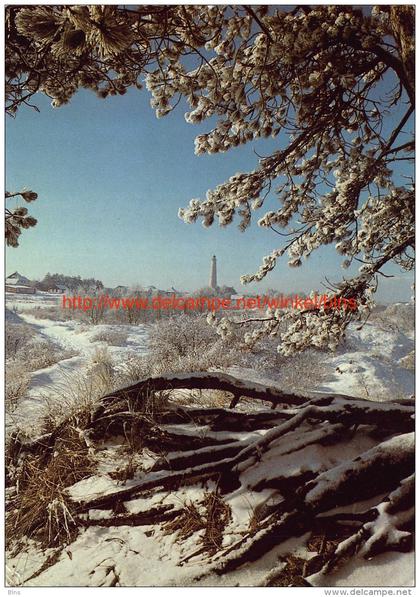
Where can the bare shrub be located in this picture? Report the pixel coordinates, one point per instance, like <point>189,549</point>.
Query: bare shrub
<point>95,315</point>
<point>179,364</point>
<point>396,317</point>
<point>101,356</point>
<point>181,344</point>
<point>136,367</point>
<point>111,336</point>
<point>55,313</point>
<point>26,353</point>
<point>40,354</point>
<point>302,372</point>
<point>17,336</point>
<point>32,350</point>
<point>17,383</point>
<point>186,343</point>
<point>181,335</point>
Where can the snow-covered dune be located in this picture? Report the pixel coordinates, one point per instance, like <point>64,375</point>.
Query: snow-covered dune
<point>77,338</point>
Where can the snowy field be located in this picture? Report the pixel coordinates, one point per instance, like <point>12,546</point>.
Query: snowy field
<point>75,336</point>
<point>372,365</point>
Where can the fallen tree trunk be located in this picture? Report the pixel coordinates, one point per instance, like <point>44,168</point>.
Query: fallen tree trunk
<point>203,381</point>
<point>348,412</point>
<point>331,488</point>
<point>315,453</point>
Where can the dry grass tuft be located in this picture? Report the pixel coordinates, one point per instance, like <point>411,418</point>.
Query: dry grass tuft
<point>212,516</point>
<point>113,337</point>
<point>153,403</point>
<point>16,384</point>
<point>218,515</point>
<point>323,540</point>
<point>254,521</point>
<point>127,471</point>
<point>186,524</point>
<point>76,395</point>
<point>210,398</point>
<point>290,576</point>
<point>39,509</point>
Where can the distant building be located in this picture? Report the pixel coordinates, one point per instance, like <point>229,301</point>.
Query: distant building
<point>175,291</point>
<point>94,289</point>
<point>19,284</point>
<point>58,289</point>
<point>228,291</point>
<point>20,289</point>
<point>120,291</point>
<point>17,279</point>
<point>213,273</point>
<point>152,290</point>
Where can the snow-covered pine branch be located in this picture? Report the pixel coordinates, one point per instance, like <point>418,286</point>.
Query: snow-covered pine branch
<point>17,218</point>
<point>326,81</point>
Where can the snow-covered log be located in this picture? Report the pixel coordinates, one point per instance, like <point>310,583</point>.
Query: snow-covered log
<point>317,456</point>
<point>204,381</point>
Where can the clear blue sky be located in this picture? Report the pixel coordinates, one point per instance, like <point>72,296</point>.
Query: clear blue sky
<point>110,178</point>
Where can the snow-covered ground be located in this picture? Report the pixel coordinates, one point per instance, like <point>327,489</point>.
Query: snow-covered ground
<point>28,301</point>
<point>72,335</point>
<point>369,366</point>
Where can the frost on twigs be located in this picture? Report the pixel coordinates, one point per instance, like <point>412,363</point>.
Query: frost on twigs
<point>18,218</point>
<point>334,85</point>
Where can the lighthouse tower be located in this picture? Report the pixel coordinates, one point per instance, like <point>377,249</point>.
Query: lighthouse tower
<point>213,273</point>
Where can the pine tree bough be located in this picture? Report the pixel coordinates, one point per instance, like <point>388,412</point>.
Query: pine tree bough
<point>324,79</point>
